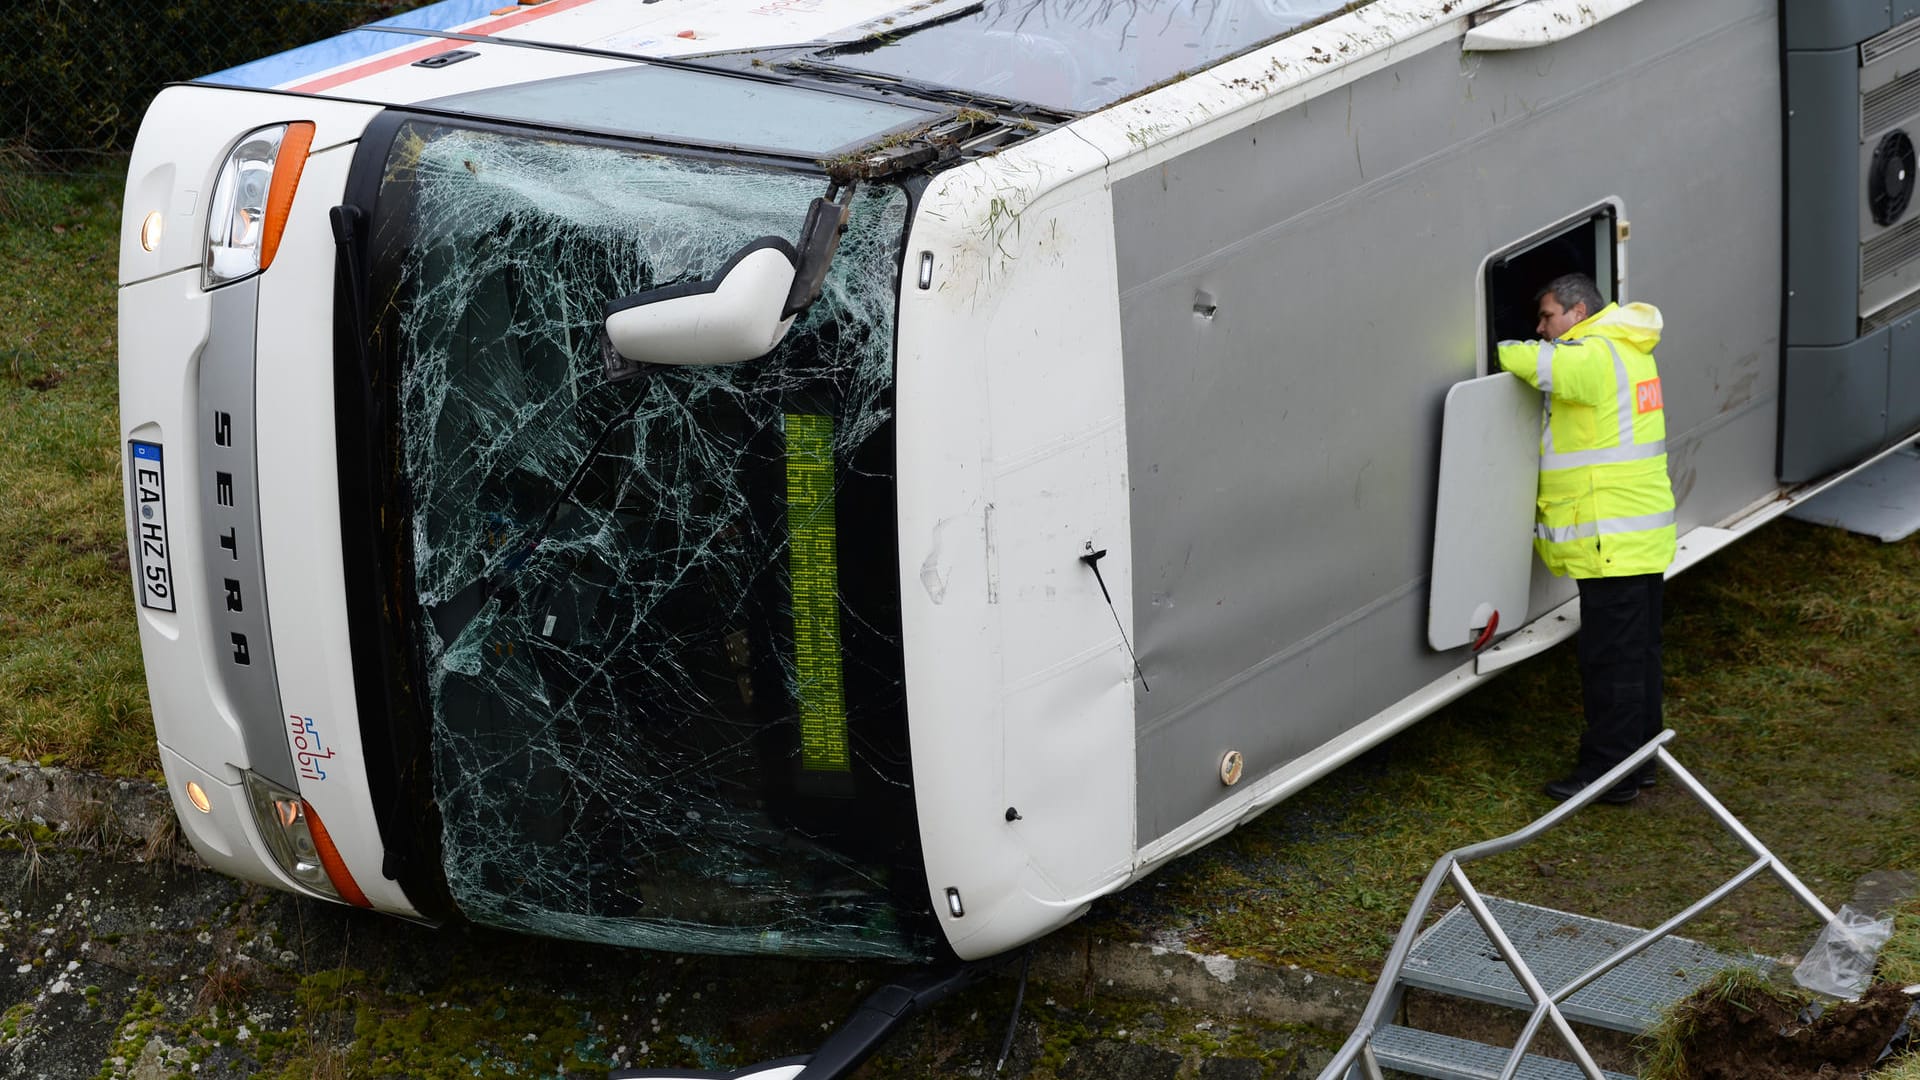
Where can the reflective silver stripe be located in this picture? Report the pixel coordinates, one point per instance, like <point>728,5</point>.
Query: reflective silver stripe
<point>1606,527</point>
<point>1545,365</point>
<point>1627,450</point>
<point>1623,394</point>
<point>1612,455</point>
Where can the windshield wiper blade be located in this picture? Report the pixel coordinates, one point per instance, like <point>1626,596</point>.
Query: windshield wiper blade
<point>484,588</point>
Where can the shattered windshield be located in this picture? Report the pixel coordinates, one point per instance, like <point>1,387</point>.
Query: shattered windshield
<point>1079,55</point>
<point>659,618</point>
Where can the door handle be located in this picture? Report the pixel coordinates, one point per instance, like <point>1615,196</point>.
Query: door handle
<point>1541,22</point>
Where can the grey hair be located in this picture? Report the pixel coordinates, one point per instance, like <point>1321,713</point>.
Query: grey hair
<point>1573,289</point>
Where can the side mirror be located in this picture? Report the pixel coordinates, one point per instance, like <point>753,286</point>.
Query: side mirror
<point>738,314</point>
<point>735,316</point>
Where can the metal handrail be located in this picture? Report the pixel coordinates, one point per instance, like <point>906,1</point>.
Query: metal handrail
<point>1357,1051</point>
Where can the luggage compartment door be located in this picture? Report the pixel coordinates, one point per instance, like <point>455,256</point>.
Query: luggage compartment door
<point>1483,524</point>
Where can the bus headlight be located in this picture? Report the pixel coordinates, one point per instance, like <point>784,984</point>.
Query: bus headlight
<point>251,196</point>
<point>299,843</point>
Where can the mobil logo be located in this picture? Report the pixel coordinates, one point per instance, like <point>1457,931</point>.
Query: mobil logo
<point>310,753</point>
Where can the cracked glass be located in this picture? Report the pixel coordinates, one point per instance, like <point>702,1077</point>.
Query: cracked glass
<point>659,618</point>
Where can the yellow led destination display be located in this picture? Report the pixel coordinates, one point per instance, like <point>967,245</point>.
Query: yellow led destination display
<point>814,564</point>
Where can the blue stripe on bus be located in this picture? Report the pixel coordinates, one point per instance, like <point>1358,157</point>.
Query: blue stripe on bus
<point>297,64</point>
<point>350,47</point>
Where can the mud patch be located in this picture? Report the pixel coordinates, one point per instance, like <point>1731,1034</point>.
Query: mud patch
<point>1760,1033</point>
<point>47,380</point>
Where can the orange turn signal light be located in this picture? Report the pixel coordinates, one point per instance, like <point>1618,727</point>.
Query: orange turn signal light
<point>331,861</point>
<point>287,167</point>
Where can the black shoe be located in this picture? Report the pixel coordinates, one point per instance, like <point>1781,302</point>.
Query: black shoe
<point>1566,788</point>
<point>1648,778</point>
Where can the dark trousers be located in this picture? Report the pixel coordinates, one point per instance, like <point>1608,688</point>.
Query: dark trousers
<point>1619,651</point>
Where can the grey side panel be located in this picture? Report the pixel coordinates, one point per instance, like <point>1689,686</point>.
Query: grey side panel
<point>236,599</point>
<point>1903,380</point>
<point>1837,24</point>
<point>1284,453</point>
<point>1823,201</point>
<point>1837,399</point>
<point>1489,471</point>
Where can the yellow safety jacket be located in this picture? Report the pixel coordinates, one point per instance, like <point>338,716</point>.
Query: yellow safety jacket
<point>1605,507</point>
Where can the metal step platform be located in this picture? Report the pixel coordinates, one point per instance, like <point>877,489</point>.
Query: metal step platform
<point>1558,968</point>
<point>1427,1054</point>
<point>1455,957</point>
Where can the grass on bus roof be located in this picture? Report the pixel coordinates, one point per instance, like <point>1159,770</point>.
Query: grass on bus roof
<point>1793,663</point>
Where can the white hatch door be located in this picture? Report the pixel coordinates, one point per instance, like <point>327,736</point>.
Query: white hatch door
<point>1483,526</point>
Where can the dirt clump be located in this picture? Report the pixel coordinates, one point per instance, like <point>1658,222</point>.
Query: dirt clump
<point>1762,1033</point>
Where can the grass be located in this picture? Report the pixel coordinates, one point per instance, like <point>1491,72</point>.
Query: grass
<point>1900,956</point>
<point>1793,664</point>
<point>71,684</point>
<point>1667,1042</point>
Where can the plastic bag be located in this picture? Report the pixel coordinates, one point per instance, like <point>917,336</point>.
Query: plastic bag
<point>1841,960</point>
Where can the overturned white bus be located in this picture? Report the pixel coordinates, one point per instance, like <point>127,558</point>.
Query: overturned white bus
<point>866,479</point>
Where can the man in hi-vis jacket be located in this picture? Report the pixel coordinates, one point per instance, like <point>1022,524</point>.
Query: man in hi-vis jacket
<point>1604,515</point>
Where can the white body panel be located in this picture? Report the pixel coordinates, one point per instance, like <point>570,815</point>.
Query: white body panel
<point>300,529</point>
<point>1482,535</point>
<point>165,324</point>
<point>1542,23</point>
<point>1012,459</point>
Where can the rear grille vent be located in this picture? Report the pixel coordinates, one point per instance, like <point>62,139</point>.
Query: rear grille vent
<point>1890,251</point>
<point>1892,313</point>
<point>1890,42</point>
<point>1890,104</point>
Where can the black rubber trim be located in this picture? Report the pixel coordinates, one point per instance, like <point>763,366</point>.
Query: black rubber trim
<point>1785,225</point>
<point>394,728</point>
<point>707,284</point>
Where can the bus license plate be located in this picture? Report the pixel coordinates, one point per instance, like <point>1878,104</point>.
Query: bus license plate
<point>150,526</point>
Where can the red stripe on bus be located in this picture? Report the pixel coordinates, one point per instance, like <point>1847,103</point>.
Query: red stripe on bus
<point>433,48</point>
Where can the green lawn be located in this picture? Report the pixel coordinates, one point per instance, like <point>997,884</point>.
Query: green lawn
<point>71,687</point>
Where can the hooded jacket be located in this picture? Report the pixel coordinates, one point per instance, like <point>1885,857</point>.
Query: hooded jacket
<point>1605,506</point>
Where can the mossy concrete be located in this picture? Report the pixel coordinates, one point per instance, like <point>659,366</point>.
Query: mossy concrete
<point>123,958</point>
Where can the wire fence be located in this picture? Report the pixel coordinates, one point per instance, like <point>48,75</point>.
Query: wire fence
<point>76,75</point>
